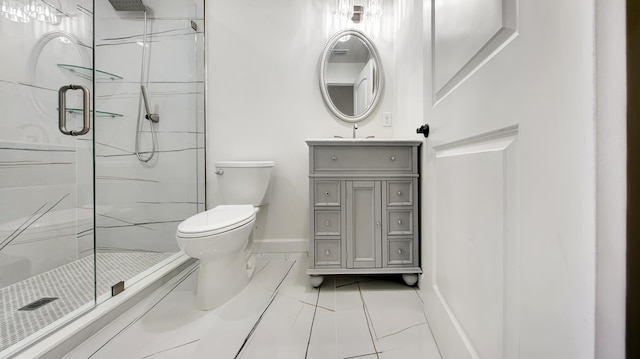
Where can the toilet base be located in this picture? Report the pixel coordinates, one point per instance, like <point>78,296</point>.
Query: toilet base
<point>221,279</point>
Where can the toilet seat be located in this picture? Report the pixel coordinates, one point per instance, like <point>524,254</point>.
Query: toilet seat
<point>217,220</point>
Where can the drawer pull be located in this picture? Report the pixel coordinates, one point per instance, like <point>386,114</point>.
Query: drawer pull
<point>399,251</point>
<point>399,221</point>
<point>378,224</point>
<point>326,193</point>
<point>392,158</point>
<point>327,252</point>
<point>399,193</point>
<point>327,223</point>
<point>334,158</point>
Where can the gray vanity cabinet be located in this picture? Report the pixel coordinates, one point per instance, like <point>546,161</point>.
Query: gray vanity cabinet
<point>364,208</point>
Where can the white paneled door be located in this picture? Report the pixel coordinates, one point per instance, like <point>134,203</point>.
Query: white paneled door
<point>508,231</point>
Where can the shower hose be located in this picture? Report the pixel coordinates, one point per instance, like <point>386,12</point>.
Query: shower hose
<point>139,123</point>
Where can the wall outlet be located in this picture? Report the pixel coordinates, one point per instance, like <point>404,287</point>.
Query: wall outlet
<point>386,119</point>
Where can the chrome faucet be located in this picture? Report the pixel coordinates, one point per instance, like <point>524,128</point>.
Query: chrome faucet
<point>355,127</point>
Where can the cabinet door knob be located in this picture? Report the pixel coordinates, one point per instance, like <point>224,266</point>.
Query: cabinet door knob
<point>333,158</point>
<point>392,158</point>
<point>399,193</point>
<point>326,193</point>
<point>327,252</point>
<point>378,224</point>
<point>399,221</point>
<point>327,223</point>
<point>399,251</point>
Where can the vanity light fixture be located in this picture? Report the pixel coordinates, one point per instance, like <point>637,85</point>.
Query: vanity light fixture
<point>374,10</point>
<point>42,11</point>
<point>13,10</point>
<point>25,10</point>
<point>357,15</point>
<point>359,11</point>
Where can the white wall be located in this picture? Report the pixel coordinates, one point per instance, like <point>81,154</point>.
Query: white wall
<point>408,61</point>
<point>264,99</point>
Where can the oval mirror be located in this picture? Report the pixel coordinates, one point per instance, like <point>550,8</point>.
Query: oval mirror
<point>351,76</point>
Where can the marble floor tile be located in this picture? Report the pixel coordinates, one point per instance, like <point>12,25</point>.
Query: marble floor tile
<point>277,316</point>
<point>72,284</point>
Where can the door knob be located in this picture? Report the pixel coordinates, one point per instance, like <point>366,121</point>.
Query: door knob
<point>424,129</point>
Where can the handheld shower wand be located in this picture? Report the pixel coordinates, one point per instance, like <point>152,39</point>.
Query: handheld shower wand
<point>153,117</point>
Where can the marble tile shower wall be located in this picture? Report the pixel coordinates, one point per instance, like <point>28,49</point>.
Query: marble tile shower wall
<point>46,178</point>
<point>139,205</point>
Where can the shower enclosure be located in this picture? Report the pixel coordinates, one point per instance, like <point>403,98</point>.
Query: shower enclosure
<point>80,213</point>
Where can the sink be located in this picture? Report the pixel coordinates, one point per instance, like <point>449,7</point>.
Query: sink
<point>340,138</point>
<point>344,139</point>
<point>337,140</point>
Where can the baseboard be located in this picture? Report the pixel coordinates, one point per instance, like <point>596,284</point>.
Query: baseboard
<point>281,246</point>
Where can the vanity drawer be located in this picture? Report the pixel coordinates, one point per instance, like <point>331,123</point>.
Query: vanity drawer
<point>327,193</point>
<point>363,159</point>
<point>400,221</point>
<point>400,252</point>
<point>399,193</point>
<point>327,252</point>
<point>327,223</point>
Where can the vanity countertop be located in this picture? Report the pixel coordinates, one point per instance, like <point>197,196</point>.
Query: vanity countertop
<point>360,141</point>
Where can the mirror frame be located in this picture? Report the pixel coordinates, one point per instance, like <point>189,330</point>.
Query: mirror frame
<point>379,81</point>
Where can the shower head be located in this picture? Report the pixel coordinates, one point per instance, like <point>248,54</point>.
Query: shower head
<point>128,5</point>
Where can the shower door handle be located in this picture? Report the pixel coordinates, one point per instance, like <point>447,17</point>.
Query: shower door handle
<point>62,114</point>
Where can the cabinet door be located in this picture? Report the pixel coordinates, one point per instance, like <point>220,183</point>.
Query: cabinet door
<point>364,221</point>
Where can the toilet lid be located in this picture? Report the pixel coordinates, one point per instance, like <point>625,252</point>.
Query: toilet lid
<point>216,220</point>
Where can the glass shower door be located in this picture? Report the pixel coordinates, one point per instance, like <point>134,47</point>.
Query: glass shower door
<point>149,173</point>
<point>47,272</point>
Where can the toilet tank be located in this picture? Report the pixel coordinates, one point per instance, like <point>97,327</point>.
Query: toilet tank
<point>244,182</point>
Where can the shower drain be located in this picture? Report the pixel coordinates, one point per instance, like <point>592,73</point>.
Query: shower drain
<point>38,303</point>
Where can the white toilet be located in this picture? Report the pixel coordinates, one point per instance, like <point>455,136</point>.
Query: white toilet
<point>221,237</point>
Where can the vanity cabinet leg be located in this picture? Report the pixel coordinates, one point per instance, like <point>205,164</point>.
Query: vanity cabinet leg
<point>316,280</point>
<point>410,279</point>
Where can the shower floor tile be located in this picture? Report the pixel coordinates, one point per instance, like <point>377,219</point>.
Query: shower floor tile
<point>278,315</point>
<point>72,284</point>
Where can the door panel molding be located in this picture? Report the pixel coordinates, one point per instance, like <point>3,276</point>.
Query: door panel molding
<point>448,75</point>
<point>475,183</point>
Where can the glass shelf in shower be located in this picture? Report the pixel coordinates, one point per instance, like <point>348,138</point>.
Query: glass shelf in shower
<point>78,111</point>
<point>87,72</point>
